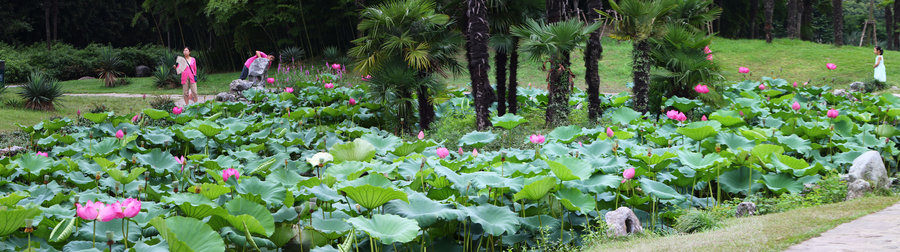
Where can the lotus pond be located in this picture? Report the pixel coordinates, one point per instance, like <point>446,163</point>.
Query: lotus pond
<point>309,169</point>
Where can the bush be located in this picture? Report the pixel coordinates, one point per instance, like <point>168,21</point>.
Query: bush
<point>41,92</point>
<point>107,67</point>
<point>65,62</point>
<point>163,103</point>
<point>291,55</point>
<point>164,77</point>
<point>872,85</point>
<point>696,221</point>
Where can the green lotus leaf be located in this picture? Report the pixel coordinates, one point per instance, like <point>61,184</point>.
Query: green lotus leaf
<point>256,217</point>
<point>333,227</point>
<point>780,183</point>
<point>508,121</point>
<point>623,115</point>
<point>159,161</point>
<point>697,160</point>
<point>570,168</point>
<point>155,114</point>
<point>565,134</point>
<point>387,228</point>
<point>411,147</point>
<point>728,118</point>
<point>660,190</point>
<point>536,190</point>
<point>63,230</point>
<point>269,193</point>
<point>96,117</point>
<point>12,219</point>
<point>383,144</point>
<point>34,164</point>
<point>700,130</point>
<point>763,151</point>
<point>125,177</point>
<point>885,130</point>
<point>422,209</point>
<point>370,196</point>
<point>683,104</point>
<point>736,181</point>
<point>358,150</point>
<point>493,219</point>
<point>188,234</point>
<point>735,142</point>
<point>477,139</point>
<point>575,200</point>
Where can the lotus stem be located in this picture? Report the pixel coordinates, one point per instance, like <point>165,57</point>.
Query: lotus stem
<point>94,244</point>
<point>124,234</point>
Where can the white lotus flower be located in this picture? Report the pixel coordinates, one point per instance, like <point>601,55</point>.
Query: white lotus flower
<point>320,158</point>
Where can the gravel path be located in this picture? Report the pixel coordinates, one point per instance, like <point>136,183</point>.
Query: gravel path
<point>179,100</point>
<point>879,231</point>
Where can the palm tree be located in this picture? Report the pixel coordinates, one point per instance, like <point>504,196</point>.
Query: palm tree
<point>639,21</point>
<point>592,54</point>
<point>503,14</point>
<point>477,54</point>
<point>551,44</point>
<point>408,34</point>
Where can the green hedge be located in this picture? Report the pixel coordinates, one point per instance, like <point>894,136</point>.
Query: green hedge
<point>66,62</point>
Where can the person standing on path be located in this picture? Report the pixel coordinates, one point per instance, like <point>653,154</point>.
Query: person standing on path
<point>880,74</point>
<point>187,67</point>
<point>246,70</point>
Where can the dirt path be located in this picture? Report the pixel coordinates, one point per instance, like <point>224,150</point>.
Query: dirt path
<point>879,231</point>
<point>179,100</point>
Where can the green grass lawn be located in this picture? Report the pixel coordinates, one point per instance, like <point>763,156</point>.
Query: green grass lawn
<point>772,232</point>
<point>213,84</point>
<point>67,107</point>
<point>793,60</point>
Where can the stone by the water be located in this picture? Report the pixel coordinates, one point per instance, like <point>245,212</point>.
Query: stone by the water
<point>870,167</point>
<point>745,209</point>
<point>622,222</point>
<point>142,71</point>
<point>858,189</point>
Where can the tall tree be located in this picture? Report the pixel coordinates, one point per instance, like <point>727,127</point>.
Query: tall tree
<point>889,25</point>
<point>560,86</point>
<point>640,21</point>
<point>592,54</point>
<point>511,101</point>
<point>47,7</point>
<point>837,20</point>
<point>503,14</point>
<point>754,9</point>
<point>895,40</point>
<point>769,8</point>
<point>477,53</point>
<point>792,24</point>
<point>806,29</point>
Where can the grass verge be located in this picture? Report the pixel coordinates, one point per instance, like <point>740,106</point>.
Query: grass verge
<point>67,107</point>
<point>213,84</point>
<point>772,232</point>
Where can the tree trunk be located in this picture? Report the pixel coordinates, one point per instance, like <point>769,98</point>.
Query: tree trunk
<point>500,60</point>
<point>806,29</point>
<point>754,9</point>
<point>895,40</point>
<point>837,20</point>
<point>477,51</point>
<point>889,26</point>
<point>640,54</point>
<point>55,13</point>
<point>558,10</point>
<point>513,74</point>
<point>558,86</point>
<point>769,8</point>
<point>426,108</point>
<point>47,21</point>
<point>792,23</point>
<point>592,54</point>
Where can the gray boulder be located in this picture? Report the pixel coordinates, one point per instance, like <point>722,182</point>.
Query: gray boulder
<point>870,167</point>
<point>142,71</point>
<point>259,67</point>
<point>857,86</point>
<point>11,151</point>
<point>239,85</point>
<point>858,189</point>
<point>745,209</point>
<point>622,222</point>
<point>843,93</point>
<point>226,97</point>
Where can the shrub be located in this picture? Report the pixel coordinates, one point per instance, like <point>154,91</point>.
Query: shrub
<point>291,55</point>
<point>163,103</point>
<point>872,85</point>
<point>696,221</point>
<point>41,92</point>
<point>107,67</point>
<point>164,77</point>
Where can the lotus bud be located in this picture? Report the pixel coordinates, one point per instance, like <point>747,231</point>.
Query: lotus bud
<point>133,160</point>
<point>46,179</point>
<point>503,156</point>
<point>97,176</point>
<point>358,208</point>
<point>321,162</point>
<point>649,152</point>
<point>28,225</point>
<point>718,148</point>
<point>197,189</point>
<point>175,186</point>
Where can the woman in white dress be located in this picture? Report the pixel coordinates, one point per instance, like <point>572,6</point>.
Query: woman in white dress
<point>879,65</point>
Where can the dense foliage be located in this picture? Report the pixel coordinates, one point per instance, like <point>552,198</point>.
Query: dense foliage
<point>66,62</point>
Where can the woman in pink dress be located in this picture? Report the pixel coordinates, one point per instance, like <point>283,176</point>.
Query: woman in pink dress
<point>187,67</point>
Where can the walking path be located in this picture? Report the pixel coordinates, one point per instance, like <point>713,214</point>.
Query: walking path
<point>179,100</point>
<point>879,231</point>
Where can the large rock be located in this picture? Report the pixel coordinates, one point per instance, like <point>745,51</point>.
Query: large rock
<point>239,85</point>
<point>226,97</point>
<point>858,189</point>
<point>857,87</point>
<point>870,167</point>
<point>142,71</point>
<point>622,222</point>
<point>259,67</point>
<point>745,209</point>
<point>11,151</point>
<point>843,93</point>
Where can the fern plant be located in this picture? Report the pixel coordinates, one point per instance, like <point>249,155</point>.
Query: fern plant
<point>40,92</point>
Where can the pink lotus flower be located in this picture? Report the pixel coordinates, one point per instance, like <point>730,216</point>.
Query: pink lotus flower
<point>677,116</point>
<point>806,83</point>
<point>703,118</point>
<point>89,210</point>
<point>537,139</point>
<point>762,86</point>
<point>628,174</point>
<point>474,152</point>
<point>709,57</point>
<point>177,110</point>
<point>227,173</point>
<point>78,113</point>
<point>39,153</point>
<point>795,106</point>
<point>329,85</point>
<point>336,66</point>
<point>111,212</point>
<point>270,80</point>
<point>795,84</point>
<point>352,101</point>
<point>442,152</point>
<point>145,96</point>
<point>609,132</point>
<point>681,117</point>
<point>831,66</point>
<point>131,207</point>
<point>460,151</point>
<point>671,114</point>
<point>180,161</point>
<point>706,50</point>
<point>288,90</point>
<point>135,118</point>
<point>120,134</point>
<point>703,89</point>
<point>832,113</point>
<point>743,70</point>
<point>367,78</point>
<point>580,144</point>
<point>421,135</point>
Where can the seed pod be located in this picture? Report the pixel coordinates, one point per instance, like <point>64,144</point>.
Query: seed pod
<point>97,176</point>
<point>718,148</point>
<point>197,189</point>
